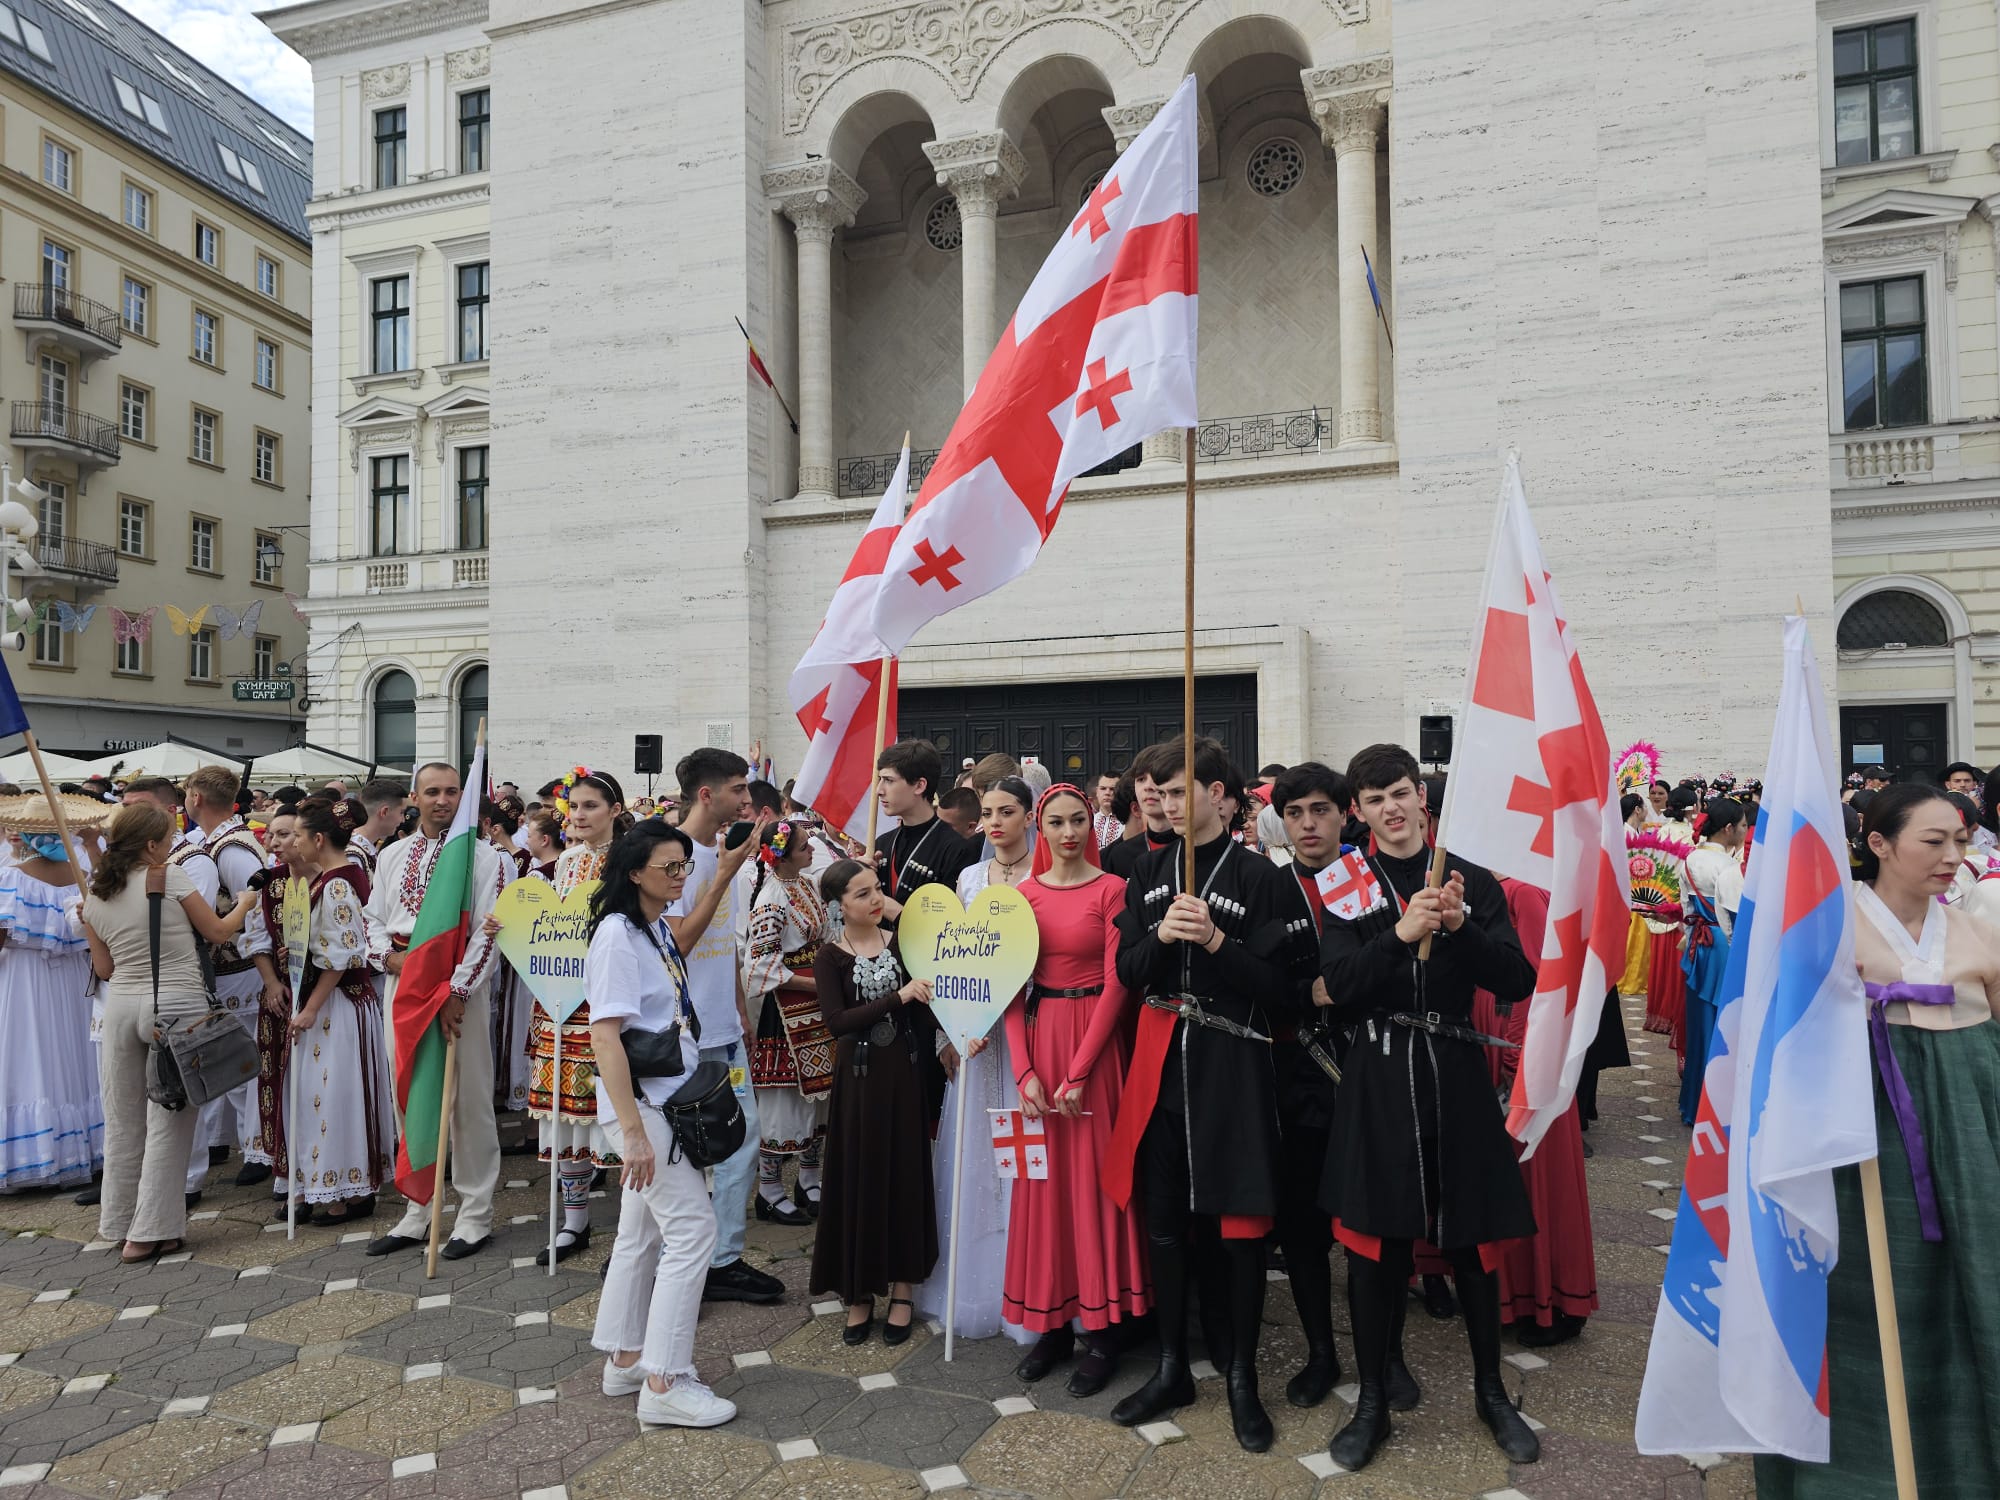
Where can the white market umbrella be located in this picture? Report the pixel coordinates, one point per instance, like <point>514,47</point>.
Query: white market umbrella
<point>19,768</point>
<point>169,758</point>
<point>304,763</point>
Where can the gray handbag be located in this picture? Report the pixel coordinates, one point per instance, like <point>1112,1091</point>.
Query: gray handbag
<point>194,1058</point>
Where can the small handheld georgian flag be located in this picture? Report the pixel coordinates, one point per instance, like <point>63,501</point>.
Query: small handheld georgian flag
<point>1020,1147</point>
<point>1348,887</point>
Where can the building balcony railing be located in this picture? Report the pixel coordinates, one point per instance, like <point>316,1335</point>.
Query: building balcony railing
<point>1217,440</point>
<point>84,439</point>
<point>60,316</point>
<point>72,556</point>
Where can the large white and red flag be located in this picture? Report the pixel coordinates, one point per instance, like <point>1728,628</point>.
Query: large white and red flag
<point>838,683</point>
<point>1099,355</point>
<point>1532,795</point>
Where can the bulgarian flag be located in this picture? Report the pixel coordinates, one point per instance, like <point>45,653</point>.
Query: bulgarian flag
<point>437,945</point>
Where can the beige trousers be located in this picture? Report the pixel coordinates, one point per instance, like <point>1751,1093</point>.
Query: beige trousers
<point>145,1146</point>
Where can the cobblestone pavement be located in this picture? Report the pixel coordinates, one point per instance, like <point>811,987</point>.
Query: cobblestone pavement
<point>251,1367</point>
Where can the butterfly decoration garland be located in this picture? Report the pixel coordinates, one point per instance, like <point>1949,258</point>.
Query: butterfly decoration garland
<point>137,625</point>
<point>132,626</point>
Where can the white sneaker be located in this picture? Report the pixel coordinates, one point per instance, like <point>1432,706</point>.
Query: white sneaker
<point>685,1403</point>
<point>622,1380</point>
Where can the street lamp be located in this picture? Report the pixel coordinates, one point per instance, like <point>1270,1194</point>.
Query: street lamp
<point>18,527</point>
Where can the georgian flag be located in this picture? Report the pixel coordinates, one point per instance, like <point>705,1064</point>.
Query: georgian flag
<point>837,684</point>
<point>1020,1146</point>
<point>1532,793</point>
<point>1099,355</point>
<point>1348,887</point>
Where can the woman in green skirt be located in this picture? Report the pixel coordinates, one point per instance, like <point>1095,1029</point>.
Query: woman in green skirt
<point>1933,977</point>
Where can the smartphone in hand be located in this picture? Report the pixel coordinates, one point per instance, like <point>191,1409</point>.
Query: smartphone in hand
<point>738,832</point>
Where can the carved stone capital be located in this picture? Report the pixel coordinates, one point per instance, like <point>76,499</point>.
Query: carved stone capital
<point>816,196</point>
<point>1348,100</point>
<point>1127,120</point>
<point>980,170</point>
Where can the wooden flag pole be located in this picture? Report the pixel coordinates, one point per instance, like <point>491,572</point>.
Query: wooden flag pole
<point>1900,1445</point>
<point>1187,673</point>
<point>1435,880</point>
<point>437,1170</point>
<point>55,803</point>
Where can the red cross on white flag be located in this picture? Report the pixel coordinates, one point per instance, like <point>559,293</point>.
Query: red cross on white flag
<point>1533,793</point>
<point>1099,356</point>
<point>834,689</point>
<point>1020,1146</point>
<point>1348,887</point>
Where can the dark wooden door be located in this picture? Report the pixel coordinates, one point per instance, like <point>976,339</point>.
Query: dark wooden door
<point>1908,738</point>
<point>1078,728</point>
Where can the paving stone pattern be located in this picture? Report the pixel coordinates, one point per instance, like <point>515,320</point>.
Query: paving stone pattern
<point>273,1368</point>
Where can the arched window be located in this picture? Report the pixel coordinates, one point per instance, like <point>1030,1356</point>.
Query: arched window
<point>395,704</point>
<point>471,709</point>
<point>1892,617</point>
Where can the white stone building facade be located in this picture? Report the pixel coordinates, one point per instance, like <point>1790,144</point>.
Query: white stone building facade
<point>398,600</point>
<point>1607,252</point>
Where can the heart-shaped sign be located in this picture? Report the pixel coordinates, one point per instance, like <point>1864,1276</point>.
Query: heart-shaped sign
<point>544,940</point>
<point>976,960</point>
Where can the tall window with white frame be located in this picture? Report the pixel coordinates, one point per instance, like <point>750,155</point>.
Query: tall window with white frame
<point>207,336</point>
<point>389,497</point>
<point>134,528</point>
<point>49,643</point>
<point>135,412</point>
<point>1875,92</point>
<point>52,514</point>
<point>201,544</point>
<point>265,467</point>
<point>1882,375</point>
<point>474,283</point>
<point>389,319</point>
<point>268,560</point>
<point>138,208</point>
<point>135,308</point>
<point>472,499</point>
<point>128,654</point>
<point>58,165</point>
<point>201,654</point>
<point>394,700</point>
<point>264,658</point>
<point>207,243</point>
<point>201,441</point>
<point>391,146</point>
<point>475,130</point>
<point>56,261</point>
<point>266,373</point>
<point>267,276</point>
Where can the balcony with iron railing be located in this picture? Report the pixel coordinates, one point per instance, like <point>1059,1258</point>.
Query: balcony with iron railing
<point>1264,435</point>
<point>54,427</point>
<point>55,315</point>
<point>73,557</point>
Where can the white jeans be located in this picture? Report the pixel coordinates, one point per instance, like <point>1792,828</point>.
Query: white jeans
<point>475,1139</point>
<point>659,1263</point>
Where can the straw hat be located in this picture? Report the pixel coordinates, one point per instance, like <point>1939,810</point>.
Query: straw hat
<point>32,813</point>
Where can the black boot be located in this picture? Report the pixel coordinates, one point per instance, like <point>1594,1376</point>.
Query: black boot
<point>1312,1294</point>
<point>1404,1392</point>
<point>1374,1292</point>
<point>1479,1295</point>
<point>1210,1278</point>
<point>1050,1350</point>
<point>1171,1386</point>
<point>1245,1262</point>
<point>1096,1363</point>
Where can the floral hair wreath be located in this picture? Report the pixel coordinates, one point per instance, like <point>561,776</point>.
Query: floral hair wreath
<point>780,845</point>
<point>569,781</point>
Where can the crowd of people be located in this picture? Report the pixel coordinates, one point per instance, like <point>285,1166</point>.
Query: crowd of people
<point>1250,1072</point>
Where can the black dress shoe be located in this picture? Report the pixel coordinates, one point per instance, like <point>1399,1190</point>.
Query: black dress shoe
<point>1050,1350</point>
<point>1316,1378</point>
<point>855,1334</point>
<point>1562,1328</point>
<point>1516,1438</point>
<point>568,1242</point>
<point>1169,1389</point>
<point>1246,1411</point>
<point>898,1333</point>
<point>1357,1443</point>
<point>1095,1365</point>
<point>784,1212</point>
<point>389,1244</point>
<point>217,1155</point>
<point>457,1249</point>
<point>253,1173</point>
<point>194,1197</point>
<point>90,1197</point>
<point>740,1282</point>
<point>807,1199</point>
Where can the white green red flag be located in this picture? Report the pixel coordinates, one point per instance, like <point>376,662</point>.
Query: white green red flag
<point>437,945</point>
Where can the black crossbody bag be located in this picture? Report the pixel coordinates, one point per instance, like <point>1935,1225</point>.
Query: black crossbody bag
<point>703,1113</point>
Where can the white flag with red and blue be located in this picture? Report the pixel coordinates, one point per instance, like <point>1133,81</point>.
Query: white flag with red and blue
<point>1738,1359</point>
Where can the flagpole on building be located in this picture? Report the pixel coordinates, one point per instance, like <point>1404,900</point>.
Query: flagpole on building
<point>1187,671</point>
<point>445,1108</point>
<point>884,669</point>
<point>1900,1444</point>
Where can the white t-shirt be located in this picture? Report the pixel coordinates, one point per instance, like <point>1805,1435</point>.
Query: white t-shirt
<point>712,967</point>
<point>627,980</point>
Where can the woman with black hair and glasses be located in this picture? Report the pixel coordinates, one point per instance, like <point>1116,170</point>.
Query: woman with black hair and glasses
<point>635,976</point>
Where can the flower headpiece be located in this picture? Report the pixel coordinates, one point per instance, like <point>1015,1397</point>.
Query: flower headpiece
<point>774,852</point>
<point>569,781</point>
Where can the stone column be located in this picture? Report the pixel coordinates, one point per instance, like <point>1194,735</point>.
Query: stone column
<point>1350,121</point>
<point>980,170</point>
<point>818,198</point>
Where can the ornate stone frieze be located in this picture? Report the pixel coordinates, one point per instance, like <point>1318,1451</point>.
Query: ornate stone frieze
<point>1347,101</point>
<point>473,62</point>
<point>815,195</point>
<point>959,38</point>
<point>391,82</point>
<point>398,22</point>
<point>1941,240</point>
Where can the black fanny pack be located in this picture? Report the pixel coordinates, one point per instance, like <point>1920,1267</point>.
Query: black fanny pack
<point>705,1117</point>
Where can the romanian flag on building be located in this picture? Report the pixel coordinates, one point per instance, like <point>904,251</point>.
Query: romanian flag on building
<point>437,945</point>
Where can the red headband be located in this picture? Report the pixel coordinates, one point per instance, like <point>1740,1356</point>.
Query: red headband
<point>1045,858</point>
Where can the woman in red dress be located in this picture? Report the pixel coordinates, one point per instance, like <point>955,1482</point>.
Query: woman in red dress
<point>1072,1255</point>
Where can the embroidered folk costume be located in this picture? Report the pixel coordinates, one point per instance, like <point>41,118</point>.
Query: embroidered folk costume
<point>566,1107</point>
<point>791,1060</point>
<point>341,1137</point>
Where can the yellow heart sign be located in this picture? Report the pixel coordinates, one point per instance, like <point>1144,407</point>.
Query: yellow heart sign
<point>544,940</point>
<point>976,960</point>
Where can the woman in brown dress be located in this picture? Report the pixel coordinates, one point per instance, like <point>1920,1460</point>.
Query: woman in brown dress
<point>878,1220</point>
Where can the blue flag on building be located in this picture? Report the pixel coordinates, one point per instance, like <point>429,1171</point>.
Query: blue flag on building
<point>1373,290</point>
<point>1738,1358</point>
<point>13,717</point>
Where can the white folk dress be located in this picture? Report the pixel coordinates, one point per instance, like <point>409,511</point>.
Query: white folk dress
<point>51,1120</point>
<point>986,1199</point>
<point>342,1136</point>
